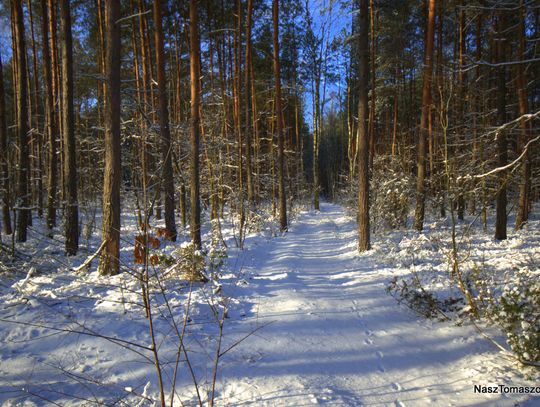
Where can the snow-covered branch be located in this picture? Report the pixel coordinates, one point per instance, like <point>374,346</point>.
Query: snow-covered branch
<point>508,166</point>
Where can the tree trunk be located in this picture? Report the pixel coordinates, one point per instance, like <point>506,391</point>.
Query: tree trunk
<point>373,54</point>
<point>102,86</point>
<point>462,95</point>
<point>363,131</point>
<point>249,78</point>
<point>164,131</point>
<point>424,120</point>
<point>56,91</point>
<point>110,261</point>
<point>50,217</point>
<point>146,79</point>
<point>37,138</point>
<point>279,121</point>
<point>23,200</point>
<point>70,157</point>
<point>194,58</point>
<point>525,186</point>
<point>502,143</point>
<point>4,173</point>
<point>395,122</point>
<point>316,137</point>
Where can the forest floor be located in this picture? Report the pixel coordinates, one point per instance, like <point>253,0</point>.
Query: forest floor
<point>308,322</point>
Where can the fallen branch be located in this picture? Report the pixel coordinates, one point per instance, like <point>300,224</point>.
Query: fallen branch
<point>89,259</point>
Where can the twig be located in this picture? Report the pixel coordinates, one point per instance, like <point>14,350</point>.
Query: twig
<point>245,337</point>
<point>502,348</point>
<point>74,331</point>
<point>499,169</point>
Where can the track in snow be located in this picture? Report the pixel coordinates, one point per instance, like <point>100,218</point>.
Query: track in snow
<point>335,337</point>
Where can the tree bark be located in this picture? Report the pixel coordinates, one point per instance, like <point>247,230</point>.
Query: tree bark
<point>363,131</point>
<point>279,120</point>
<point>424,120</point>
<point>37,138</point>
<point>373,53</point>
<point>462,95</point>
<point>194,58</point>
<point>56,91</point>
<point>23,200</point>
<point>249,78</point>
<point>4,173</point>
<point>525,185</point>
<point>52,182</point>
<point>102,86</point>
<point>68,128</point>
<point>502,142</point>
<point>316,136</point>
<point>110,261</point>
<point>164,130</point>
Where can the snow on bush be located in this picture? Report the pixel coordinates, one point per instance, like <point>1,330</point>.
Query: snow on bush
<point>189,263</point>
<point>503,282</point>
<point>515,307</point>
<point>392,187</point>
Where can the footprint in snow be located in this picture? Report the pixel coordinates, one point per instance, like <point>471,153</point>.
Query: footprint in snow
<point>396,386</point>
<point>368,341</point>
<point>380,367</point>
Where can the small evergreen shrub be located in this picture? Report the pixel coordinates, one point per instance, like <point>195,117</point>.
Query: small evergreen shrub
<point>217,253</point>
<point>420,300</point>
<point>189,264</point>
<point>515,308</point>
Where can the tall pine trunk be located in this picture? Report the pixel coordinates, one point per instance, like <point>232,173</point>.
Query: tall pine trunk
<point>195,133</point>
<point>23,200</point>
<point>4,173</point>
<point>424,120</point>
<point>52,185</point>
<point>164,130</point>
<point>110,261</point>
<point>502,143</point>
<point>68,128</point>
<point>37,139</point>
<point>363,131</point>
<point>279,121</point>
<point>249,79</point>
<point>525,185</point>
<point>316,136</point>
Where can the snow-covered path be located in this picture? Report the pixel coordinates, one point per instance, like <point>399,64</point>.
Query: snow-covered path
<point>335,337</point>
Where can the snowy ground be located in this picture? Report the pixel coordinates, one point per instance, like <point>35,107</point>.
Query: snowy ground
<point>319,328</point>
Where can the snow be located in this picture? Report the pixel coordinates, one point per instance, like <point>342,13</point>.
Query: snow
<point>308,323</point>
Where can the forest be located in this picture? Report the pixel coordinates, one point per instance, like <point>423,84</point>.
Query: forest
<point>269,202</point>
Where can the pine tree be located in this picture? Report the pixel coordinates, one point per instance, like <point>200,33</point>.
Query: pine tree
<point>424,120</point>
<point>279,120</point>
<point>164,129</point>
<point>195,129</point>
<point>23,198</point>
<point>4,172</point>
<point>363,133</point>
<point>110,257</point>
<point>68,128</point>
